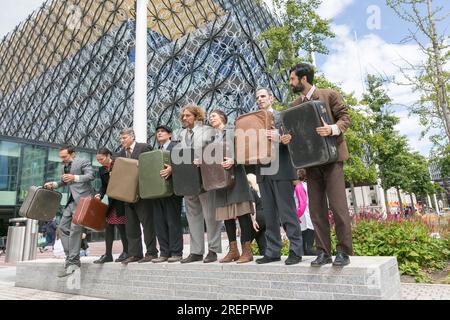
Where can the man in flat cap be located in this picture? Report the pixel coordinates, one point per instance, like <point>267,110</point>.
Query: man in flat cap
<point>167,210</point>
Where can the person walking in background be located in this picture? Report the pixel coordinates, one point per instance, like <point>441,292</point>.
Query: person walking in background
<point>303,214</point>
<point>115,217</point>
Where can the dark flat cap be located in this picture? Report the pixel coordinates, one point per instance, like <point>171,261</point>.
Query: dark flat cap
<point>162,126</point>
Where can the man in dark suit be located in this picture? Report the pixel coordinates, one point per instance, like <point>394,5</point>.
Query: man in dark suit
<point>277,192</point>
<point>167,210</point>
<point>140,212</point>
<point>327,181</point>
<point>77,175</point>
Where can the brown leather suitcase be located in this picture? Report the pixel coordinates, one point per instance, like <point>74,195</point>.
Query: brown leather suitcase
<point>91,214</point>
<point>214,176</point>
<point>40,204</point>
<point>251,144</point>
<point>124,181</point>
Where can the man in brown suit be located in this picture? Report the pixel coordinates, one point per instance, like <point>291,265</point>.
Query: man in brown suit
<point>327,181</point>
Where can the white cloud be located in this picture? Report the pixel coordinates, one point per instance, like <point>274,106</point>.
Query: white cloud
<point>350,61</point>
<point>14,12</point>
<point>330,9</point>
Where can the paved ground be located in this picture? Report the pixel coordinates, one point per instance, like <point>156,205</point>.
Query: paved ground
<point>410,291</point>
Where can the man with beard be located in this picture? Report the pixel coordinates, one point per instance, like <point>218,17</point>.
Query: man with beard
<point>326,181</point>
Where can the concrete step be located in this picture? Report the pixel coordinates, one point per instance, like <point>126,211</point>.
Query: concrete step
<point>364,278</point>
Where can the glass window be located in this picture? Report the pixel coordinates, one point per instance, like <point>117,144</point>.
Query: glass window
<point>33,168</point>
<point>9,164</point>
<point>54,171</point>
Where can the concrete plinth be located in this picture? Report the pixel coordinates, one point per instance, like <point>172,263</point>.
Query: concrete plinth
<point>364,278</point>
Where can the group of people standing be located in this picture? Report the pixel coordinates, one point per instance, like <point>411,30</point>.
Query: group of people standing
<point>273,207</point>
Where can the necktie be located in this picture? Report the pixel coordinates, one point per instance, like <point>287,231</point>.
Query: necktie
<point>189,134</point>
<point>128,152</point>
<point>161,147</point>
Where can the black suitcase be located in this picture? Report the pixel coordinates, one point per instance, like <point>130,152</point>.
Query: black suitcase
<point>186,176</point>
<point>307,148</point>
<point>40,204</point>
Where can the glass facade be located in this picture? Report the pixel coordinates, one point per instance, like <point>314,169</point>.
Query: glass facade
<point>24,164</point>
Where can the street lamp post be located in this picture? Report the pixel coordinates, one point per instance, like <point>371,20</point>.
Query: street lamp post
<point>140,73</point>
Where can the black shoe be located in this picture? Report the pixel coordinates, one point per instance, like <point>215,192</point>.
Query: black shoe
<point>293,258</point>
<point>342,259</point>
<point>104,258</point>
<point>192,258</point>
<point>321,260</point>
<point>210,257</point>
<point>123,256</point>
<point>266,259</point>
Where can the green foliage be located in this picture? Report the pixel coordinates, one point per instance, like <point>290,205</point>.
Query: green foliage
<point>299,29</point>
<point>409,240</point>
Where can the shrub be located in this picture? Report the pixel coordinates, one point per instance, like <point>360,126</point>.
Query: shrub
<point>407,239</point>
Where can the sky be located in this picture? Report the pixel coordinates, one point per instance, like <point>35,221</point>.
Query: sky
<point>368,41</point>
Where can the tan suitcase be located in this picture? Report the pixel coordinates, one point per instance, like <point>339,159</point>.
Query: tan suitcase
<point>251,144</point>
<point>124,181</point>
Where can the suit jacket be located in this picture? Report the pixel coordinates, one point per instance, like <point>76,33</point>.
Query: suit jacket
<point>286,171</point>
<point>138,149</point>
<point>83,188</point>
<point>203,135</point>
<point>112,203</point>
<point>334,103</point>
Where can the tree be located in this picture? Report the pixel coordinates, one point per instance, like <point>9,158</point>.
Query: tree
<point>300,29</point>
<point>430,77</point>
<point>360,167</point>
<point>385,143</point>
<point>419,179</point>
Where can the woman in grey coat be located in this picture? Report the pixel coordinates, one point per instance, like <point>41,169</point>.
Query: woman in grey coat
<point>234,201</point>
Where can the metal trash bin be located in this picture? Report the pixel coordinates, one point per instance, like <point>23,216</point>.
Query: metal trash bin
<point>21,243</point>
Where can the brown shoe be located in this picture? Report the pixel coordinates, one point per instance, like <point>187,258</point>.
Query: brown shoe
<point>233,253</point>
<point>174,259</point>
<point>247,254</point>
<point>210,257</point>
<point>131,259</point>
<point>147,258</point>
<point>160,259</point>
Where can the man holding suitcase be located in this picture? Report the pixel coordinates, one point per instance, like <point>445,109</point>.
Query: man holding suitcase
<point>77,175</point>
<point>167,210</point>
<point>199,208</point>
<point>326,181</point>
<point>140,212</point>
<point>277,193</point>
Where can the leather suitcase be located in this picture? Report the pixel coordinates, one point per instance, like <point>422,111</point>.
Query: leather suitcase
<point>40,204</point>
<point>307,148</point>
<point>251,144</point>
<point>214,176</point>
<point>91,214</point>
<point>124,181</point>
<point>186,176</point>
<point>151,184</point>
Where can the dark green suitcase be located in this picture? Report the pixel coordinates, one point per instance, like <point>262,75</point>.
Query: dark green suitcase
<point>151,184</point>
